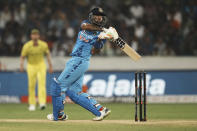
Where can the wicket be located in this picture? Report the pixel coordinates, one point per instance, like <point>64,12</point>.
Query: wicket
<point>140,91</point>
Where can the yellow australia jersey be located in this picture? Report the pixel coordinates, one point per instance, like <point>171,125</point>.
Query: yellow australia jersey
<point>35,54</point>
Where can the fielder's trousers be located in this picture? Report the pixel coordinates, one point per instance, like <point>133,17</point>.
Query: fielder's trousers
<point>36,73</point>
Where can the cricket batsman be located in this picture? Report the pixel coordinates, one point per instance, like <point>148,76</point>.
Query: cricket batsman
<point>69,83</point>
<point>35,50</point>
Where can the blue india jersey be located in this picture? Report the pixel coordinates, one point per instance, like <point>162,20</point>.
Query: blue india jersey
<point>86,40</point>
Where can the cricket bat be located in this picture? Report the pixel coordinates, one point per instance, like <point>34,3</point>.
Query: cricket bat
<point>127,49</point>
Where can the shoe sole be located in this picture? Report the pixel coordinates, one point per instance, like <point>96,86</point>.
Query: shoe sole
<point>31,109</point>
<point>107,114</point>
<point>64,119</point>
<point>58,119</point>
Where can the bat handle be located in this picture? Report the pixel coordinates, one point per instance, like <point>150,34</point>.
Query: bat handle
<point>120,43</point>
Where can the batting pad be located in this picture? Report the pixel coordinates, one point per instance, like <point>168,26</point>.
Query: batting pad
<point>57,99</point>
<point>83,101</point>
<point>57,106</point>
<point>55,88</point>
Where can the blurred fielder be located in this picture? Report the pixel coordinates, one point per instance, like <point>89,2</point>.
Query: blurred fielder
<point>69,83</point>
<point>35,50</point>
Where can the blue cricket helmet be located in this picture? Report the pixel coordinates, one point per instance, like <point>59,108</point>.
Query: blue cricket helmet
<point>97,11</point>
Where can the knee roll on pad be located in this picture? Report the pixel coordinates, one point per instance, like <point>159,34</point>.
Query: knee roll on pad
<point>55,88</point>
<point>83,101</point>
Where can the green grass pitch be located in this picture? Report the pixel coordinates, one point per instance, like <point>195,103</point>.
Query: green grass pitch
<point>161,117</point>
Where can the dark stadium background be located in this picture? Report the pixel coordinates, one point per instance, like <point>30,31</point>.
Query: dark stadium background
<point>152,27</point>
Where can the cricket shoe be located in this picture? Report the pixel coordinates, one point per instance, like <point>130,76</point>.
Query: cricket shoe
<point>42,106</point>
<point>32,108</point>
<point>104,113</point>
<point>60,117</point>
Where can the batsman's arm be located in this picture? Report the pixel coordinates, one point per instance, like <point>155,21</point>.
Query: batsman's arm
<point>87,26</point>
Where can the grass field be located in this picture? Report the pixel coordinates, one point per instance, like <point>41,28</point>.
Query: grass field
<point>161,117</point>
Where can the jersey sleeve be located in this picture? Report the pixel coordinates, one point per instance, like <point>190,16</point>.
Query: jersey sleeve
<point>84,22</point>
<point>24,51</point>
<point>46,48</point>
